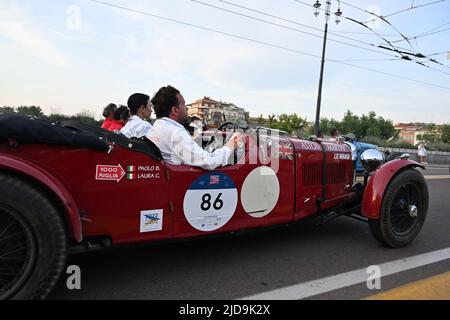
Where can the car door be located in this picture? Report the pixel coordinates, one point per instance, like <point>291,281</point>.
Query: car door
<point>245,195</point>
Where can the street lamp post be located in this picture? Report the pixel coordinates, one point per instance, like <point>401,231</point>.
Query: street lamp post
<point>338,14</point>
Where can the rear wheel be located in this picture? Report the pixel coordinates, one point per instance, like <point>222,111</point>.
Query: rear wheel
<point>403,210</point>
<point>33,245</point>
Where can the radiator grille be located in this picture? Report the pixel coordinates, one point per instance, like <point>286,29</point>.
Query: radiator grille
<point>312,174</point>
<point>336,173</point>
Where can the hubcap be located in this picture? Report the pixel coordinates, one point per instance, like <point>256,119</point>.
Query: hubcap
<point>413,211</point>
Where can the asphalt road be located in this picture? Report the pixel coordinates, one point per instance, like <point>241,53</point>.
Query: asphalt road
<point>237,266</point>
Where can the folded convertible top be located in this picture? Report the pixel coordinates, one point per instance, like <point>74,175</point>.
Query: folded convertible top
<point>27,129</point>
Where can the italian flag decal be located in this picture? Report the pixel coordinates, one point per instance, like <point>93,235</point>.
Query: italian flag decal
<point>131,168</point>
<point>131,176</point>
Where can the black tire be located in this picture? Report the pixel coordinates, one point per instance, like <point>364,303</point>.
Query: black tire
<point>33,241</point>
<point>399,222</point>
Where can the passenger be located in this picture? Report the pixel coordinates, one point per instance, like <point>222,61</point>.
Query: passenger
<point>108,113</point>
<point>140,109</point>
<point>121,116</point>
<point>334,135</point>
<point>320,134</point>
<point>175,143</point>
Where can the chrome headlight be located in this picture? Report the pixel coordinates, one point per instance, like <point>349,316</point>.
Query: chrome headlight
<point>372,159</point>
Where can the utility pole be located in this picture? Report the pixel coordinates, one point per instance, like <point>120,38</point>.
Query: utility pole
<point>338,14</point>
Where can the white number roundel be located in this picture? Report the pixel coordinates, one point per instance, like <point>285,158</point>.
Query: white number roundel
<point>210,201</point>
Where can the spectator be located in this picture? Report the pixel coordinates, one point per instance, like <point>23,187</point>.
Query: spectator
<point>422,153</point>
<point>121,116</point>
<point>140,109</point>
<point>108,113</point>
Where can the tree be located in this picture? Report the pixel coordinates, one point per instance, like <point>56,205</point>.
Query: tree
<point>445,129</point>
<point>350,124</point>
<point>261,120</point>
<point>6,109</point>
<point>86,117</point>
<point>272,120</point>
<point>31,111</point>
<point>431,135</point>
<point>56,117</point>
<point>290,123</point>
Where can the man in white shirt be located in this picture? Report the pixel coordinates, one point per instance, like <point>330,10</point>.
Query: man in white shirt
<point>176,145</point>
<point>140,109</point>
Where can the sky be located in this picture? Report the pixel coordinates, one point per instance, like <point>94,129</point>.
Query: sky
<point>79,55</point>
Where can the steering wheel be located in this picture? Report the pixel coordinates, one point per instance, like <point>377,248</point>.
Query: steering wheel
<point>218,142</point>
<point>226,125</point>
<point>214,144</point>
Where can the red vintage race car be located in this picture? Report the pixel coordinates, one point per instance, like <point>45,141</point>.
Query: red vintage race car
<point>69,186</point>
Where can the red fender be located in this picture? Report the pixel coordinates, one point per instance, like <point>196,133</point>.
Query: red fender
<point>29,170</point>
<point>378,182</point>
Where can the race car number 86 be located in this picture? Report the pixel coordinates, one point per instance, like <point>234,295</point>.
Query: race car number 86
<point>206,204</point>
<point>210,201</point>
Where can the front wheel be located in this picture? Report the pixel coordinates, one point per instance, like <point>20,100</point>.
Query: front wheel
<point>33,242</point>
<point>403,210</point>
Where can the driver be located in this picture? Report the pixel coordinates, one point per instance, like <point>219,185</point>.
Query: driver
<point>176,145</point>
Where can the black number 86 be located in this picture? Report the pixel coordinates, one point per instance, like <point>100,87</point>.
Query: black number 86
<point>206,202</point>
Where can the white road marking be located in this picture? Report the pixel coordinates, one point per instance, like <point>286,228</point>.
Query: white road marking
<point>343,280</point>
<point>437,177</point>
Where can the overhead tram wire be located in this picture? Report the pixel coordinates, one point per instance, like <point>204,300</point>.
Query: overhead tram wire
<point>437,53</point>
<point>365,60</point>
<point>300,31</point>
<point>405,54</point>
<point>407,9</point>
<point>427,33</point>
<point>105,3</point>
<point>365,26</point>
<point>436,28</point>
<point>309,5</point>
<point>297,30</point>
<point>387,73</point>
<point>381,18</point>
<point>109,4</point>
<point>335,33</point>
<point>366,33</point>
<point>283,19</point>
<point>362,23</point>
<point>430,33</point>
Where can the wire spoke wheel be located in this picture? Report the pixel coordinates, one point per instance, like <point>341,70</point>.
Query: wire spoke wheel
<point>17,251</point>
<point>404,215</point>
<point>33,240</point>
<point>403,210</point>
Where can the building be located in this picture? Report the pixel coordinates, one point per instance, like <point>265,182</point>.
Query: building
<point>201,108</point>
<point>216,112</point>
<point>410,132</point>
